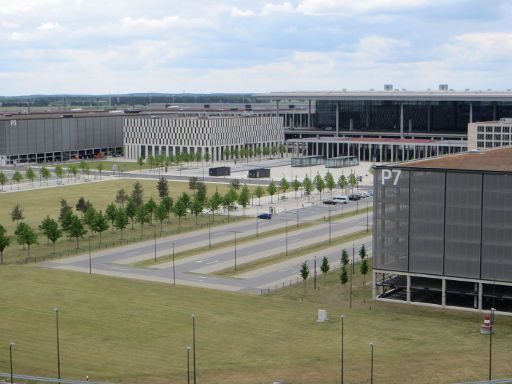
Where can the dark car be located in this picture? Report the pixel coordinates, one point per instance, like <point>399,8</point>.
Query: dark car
<point>265,216</point>
<point>354,197</point>
<point>329,202</point>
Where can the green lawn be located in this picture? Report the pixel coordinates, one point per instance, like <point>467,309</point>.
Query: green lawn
<point>122,166</point>
<point>127,331</point>
<point>39,203</point>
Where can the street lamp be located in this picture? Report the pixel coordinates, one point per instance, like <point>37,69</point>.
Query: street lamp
<point>56,310</point>
<point>330,224</point>
<point>209,233</point>
<point>297,214</point>
<point>173,266</point>
<point>155,241</point>
<point>188,365</point>
<point>314,273</point>
<point>90,256</point>
<point>371,365</point>
<point>11,346</point>
<point>367,224</point>
<point>341,372</point>
<point>194,345</point>
<point>490,343</point>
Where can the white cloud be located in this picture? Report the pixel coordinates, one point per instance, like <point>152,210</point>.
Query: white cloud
<point>272,9</point>
<point>165,22</point>
<point>8,25</point>
<point>237,12</point>
<point>347,7</point>
<point>480,47</point>
<point>49,26</point>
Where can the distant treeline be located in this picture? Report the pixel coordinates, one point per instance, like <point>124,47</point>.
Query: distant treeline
<point>122,100</point>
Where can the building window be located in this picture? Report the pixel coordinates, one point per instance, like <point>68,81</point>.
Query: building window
<point>497,129</point>
<point>488,137</point>
<point>480,128</point>
<point>497,137</point>
<point>488,129</point>
<point>506,129</point>
<point>480,144</point>
<point>480,136</point>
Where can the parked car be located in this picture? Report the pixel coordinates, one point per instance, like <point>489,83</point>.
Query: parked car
<point>354,197</point>
<point>340,199</point>
<point>365,194</point>
<point>329,202</point>
<point>370,192</point>
<point>265,216</point>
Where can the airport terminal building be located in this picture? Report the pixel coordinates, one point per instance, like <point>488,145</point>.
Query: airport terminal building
<point>443,231</point>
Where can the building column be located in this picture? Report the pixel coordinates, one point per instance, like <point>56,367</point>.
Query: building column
<point>480,295</point>
<point>470,112</point>
<point>359,151</point>
<point>401,120</point>
<point>277,108</point>
<point>374,285</point>
<point>351,122</point>
<point>443,292</point>
<point>475,300</point>
<point>309,114</point>
<point>380,152</point>
<point>337,119</point>
<point>408,289</point>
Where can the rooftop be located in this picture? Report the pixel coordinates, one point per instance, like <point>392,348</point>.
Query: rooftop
<point>497,160</point>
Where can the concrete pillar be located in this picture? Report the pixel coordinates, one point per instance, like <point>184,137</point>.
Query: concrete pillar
<point>337,119</point>
<point>410,125</point>
<point>351,122</point>
<point>380,152</point>
<point>401,120</point>
<point>316,152</point>
<point>309,114</point>
<point>374,285</point>
<point>470,112</point>
<point>408,289</point>
<point>475,298</point>
<point>480,295</point>
<point>443,292</point>
<point>277,108</point>
<point>359,151</point>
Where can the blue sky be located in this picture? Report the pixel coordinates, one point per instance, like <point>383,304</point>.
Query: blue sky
<point>114,46</point>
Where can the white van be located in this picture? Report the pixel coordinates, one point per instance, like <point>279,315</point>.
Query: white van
<point>340,199</point>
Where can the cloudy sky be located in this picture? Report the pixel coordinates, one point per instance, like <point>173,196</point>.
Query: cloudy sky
<point>114,46</point>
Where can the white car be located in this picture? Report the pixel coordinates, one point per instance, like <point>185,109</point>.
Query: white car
<point>365,194</point>
<point>340,199</point>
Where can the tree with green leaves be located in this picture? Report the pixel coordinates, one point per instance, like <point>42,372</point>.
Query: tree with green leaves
<point>206,157</point>
<point>65,209</point>
<point>201,192</point>
<point>324,267</point>
<point>372,169</point>
<point>214,203</point>
<point>131,210</point>
<point>5,241</point>
<point>235,153</point>
<point>308,185</point>
<point>304,272</point>
<point>196,207</point>
<point>30,175</point>
<point>198,157</point>
<point>17,213</point>
<point>266,151</point>
<point>259,192</point>
<point>235,184</point>
<point>85,168</point>
<point>319,184</point>
<point>151,206</point>
<point>3,179</point>
<point>100,167</point>
<point>161,214</point>
<point>51,230</point>
<point>186,199</point>
<point>352,180</point>
<point>244,197</point>
<point>282,149</point>
<point>295,184</point>
<point>121,221</point>
<point>59,172</point>
<point>363,268</point>
<point>100,223</point>
<point>76,229</point>
<point>111,213</point>
<point>271,189</point>
<point>163,187</point>
<point>89,219</point>
<point>82,205</point>
<point>284,185</point>
<point>167,202</point>
<point>73,170</point>
<point>257,152</point>
<point>121,197</point>
<point>140,162</point>
<point>180,208</point>
<point>227,154</point>
<point>192,184</point>
<point>344,263</point>
<point>229,200</point>
<point>25,235</point>
<point>142,217</point>
<point>137,193</point>
<point>342,182</point>
<point>45,174</point>
<point>330,184</point>
<point>17,177</point>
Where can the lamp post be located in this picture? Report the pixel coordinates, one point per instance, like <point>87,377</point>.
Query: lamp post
<point>330,224</point>
<point>188,365</point>
<point>90,256</point>
<point>235,250</point>
<point>173,266</point>
<point>194,345</point>
<point>314,274</point>
<point>367,214</point>
<point>353,259</point>
<point>209,231</point>
<point>56,310</point>
<point>341,368</point>
<point>490,343</point>
<point>155,241</point>
<point>297,214</point>
<point>371,364</point>
<point>11,346</point>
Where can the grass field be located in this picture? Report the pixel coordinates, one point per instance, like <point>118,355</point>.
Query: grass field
<point>39,203</point>
<point>126,331</point>
<point>122,166</point>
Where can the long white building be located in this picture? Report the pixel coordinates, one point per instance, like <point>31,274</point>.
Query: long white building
<point>171,135</point>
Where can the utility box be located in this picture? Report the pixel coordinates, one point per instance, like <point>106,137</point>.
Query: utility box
<point>258,173</point>
<point>220,171</point>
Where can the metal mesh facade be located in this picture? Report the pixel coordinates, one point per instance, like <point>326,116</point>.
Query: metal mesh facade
<point>446,223</point>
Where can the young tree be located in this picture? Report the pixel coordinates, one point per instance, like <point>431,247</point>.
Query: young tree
<point>364,262</point>
<point>296,186</point>
<point>198,157</point>
<point>259,192</point>
<point>235,184</point>
<point>214,203</point>
<point>131,210</point>
<point>99,167</point>
<point>229,200</point>
<point>82,205</point>
<point>137,193</point>
<point>161,214</point>
<point>3,179</point>
<point>180,208</point>
<point>25,235</point>
<point>244,197</point>
<point>140,162</point>
<point>65,210</point>
<point>111,213</point>
<point>121,221</point>
<point>73,170</point>
<point>100,223</point>
<point>5,241</point>
<point>227,154</point>
<point>44,173</point>
<point>352,180</point>
<point>51,230</point>
<point>121,197</point>
<point>319,184</point>
<point>17,213</point>
<point>271,189</point>
<point>76,228</point>
<point>324,267</point>
<point>192,184</point>
<point>151,206</point>
<point>30,175</point>
<point>17,177</point>
<point>142,217</point>
<point>167,202</point>
<point>89,219</point>
<point>206,157</point>
<point>342,182</point>
<point>308,185</point>
<point>196,207</point>
<point>284,185</point>
<point>201,192</point>
<point>344,263</point>
<point>330,184</point>
<point>163,187</point>
<point>266,151</point>
<point>59,172</point>
<point>304,272</point>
